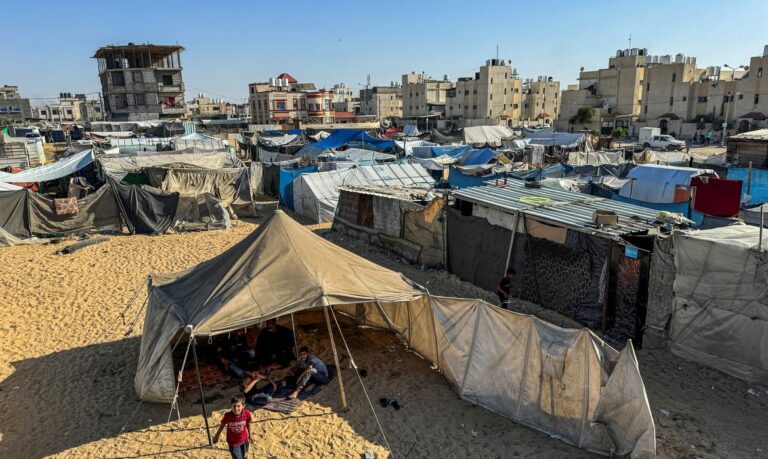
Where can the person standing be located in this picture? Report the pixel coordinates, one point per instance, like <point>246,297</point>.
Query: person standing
<point>708,136</point>
<point>237,421</point>
<point>505,287</point>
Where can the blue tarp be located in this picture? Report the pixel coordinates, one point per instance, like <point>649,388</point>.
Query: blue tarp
<point>758,188</point>
<point>286,183</point>
<point>426,152</point>
<point>553,171</point>
<point>478,157</point>
<point>677,207</point>
<point>346,136</point>
<point>458,180</point>
<point>295,131</point>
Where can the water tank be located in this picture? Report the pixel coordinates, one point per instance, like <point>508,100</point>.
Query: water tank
<point>666,59</point>
<point>272,82</point>
<point>765,50</point>
<point>679,58</point>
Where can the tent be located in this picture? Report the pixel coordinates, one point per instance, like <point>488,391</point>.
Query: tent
<point>120,165</point>
<point>717,281</point>
<point>62,168</point>
<point>560,139</point>
<point>567,383</point>
<point>478,157</point>
<point>342,137</point>
<point>656,183</point>
<point>315,196</point>
<point>481,136</point>
<point>359,155</point>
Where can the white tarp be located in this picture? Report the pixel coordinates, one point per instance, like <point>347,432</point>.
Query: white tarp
<point>595,158</point>
<point>53,171</point>
<point>565,382</point>
<point>720,313</point>
<point>359,155</point>
<point>657,183</point>
<point>278,140</point>
<point>316,195</point>
<point>121,164</point>
<point>435,164</point>
<point>408,145</point>
<point>487,135</point>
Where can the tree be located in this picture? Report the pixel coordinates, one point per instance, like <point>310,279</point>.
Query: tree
<point>619,132</point>
<point>583,116</point>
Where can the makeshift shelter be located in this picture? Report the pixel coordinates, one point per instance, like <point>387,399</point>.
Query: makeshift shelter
<point>56,170</point>
<point>490,136</point>
<point>405,220</point>
<point>363,157</point>
<point>563,261</point>
<point>748,148</point>
<point>316,195</point>
<point>120,165</point>
<point>711,301</point>
<point>200,141</point>
<point>567,383</point>
<point>568,140</point>
<point>661,184</point>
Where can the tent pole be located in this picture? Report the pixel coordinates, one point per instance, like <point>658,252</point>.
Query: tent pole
<point>200,384</point>
<point>295,343</point>
<point>336,360</point>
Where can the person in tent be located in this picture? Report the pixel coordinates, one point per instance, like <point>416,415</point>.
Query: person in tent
<point>237,421</point>
<point>505,287</point>
<point>258,395</point>
<point>274,346</point>
<point>309,369</point>
<point>232,352</point>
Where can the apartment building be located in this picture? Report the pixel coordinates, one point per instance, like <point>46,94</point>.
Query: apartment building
<point>382,102</point>
<point>141,82</point>
<point>13,106</point>
<point>424,96</point>
<point>492,96</point>
<point>72,109</point>
<point>541,100</point>
<point>344,99</point>
<point>284,100</point>
<point>203,106</point>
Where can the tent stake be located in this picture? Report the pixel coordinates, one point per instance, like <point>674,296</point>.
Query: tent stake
<point>336,360</point>
<point>200,384</point>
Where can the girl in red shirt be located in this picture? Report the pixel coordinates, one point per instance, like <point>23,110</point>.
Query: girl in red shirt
<point>238,425</point>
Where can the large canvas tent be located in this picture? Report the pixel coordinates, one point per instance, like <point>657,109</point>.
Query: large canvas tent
<point>567,383</point>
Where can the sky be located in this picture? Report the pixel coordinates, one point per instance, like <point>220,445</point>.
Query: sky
<point>232,43</point>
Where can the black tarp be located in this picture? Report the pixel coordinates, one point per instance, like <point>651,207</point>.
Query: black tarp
<point>14,213</point>
<point>590,311</point>
<point>144,211</point>
<point>477,250</point>
<point>270,179</point>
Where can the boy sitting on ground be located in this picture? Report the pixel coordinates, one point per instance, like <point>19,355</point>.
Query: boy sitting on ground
<point>253,394</point>
<point>310,369</point>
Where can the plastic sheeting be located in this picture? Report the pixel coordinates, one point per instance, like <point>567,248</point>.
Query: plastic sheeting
<point>14,213</point>
<point>595,158</point>
<point>655,183</point>
<point>96,210</point>
<point>61,168</point>
<point>287,177</point>
<point>567,383</point>
<point>120,165</point>
<point>230,185</point>
<point>458,180</point>
<point>758,184</point>
<point>342,137</point>
<point>478,157</point>
<point>683,208</point>
<point>359,155</point>
<point>145,211</point>
<point>491,136</point>
<point>720,313</point>
<point>561,139</point>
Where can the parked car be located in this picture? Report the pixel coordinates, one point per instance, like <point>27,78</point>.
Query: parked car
<point>664,142</point>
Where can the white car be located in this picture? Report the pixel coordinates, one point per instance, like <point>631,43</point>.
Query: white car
<point>664,142</point>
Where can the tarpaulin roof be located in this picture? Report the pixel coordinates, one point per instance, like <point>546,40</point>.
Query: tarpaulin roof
<point>657,183</point>
<point>561,139</point>
<point>411,130</point>
<point>342,137</point>
<point>360,155</point>
<point>487,135</point>
<point>409,145</point>
<point>132,162</point>
<point>476,157</point>
<point>434,151</point>
<point>61,168</point>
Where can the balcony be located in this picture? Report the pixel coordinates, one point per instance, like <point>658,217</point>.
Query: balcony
<point>170,88</point>
<point>172,109</point>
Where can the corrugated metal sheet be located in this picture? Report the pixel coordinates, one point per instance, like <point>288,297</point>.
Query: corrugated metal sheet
<point>560,207</point>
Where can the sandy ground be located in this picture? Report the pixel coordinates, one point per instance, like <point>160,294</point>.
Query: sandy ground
<point>68,361</point>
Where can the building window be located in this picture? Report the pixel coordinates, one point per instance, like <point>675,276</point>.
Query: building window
<point>491,80</point>
<point>466,92</point>
<point>505,91</point>
<point>279,105</point>
<point>702,99</point>
<point>474,107</point>
<point>725,98</point>
<point>515,106</point>
<point>757,98</point>
<point>118,79</point>
<point>69,112</point>
<point>671,100</point>
<point>120,101</point>
<point>138,77</point>
<point>645,109</point>
<point>139,99</point>
<point>526,105</point>
<point>55,111</point>
<point>3,110</point>
<point>639,101</point>
<point>685,98</point>
<point>474,91</point>
<point>759,72</point>
<point>167,80</point>
<point>490,96</point>
<point>648,87</point>
<point>15,109</point>
<point>674,77</point>
<point>741,96</point>
<point>505,75</point>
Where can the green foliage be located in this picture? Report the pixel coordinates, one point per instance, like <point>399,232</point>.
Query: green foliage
<point>619,132</point>
<point>583,116</point>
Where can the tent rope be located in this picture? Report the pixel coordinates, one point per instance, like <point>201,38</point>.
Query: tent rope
<point>174,403</point>
<point>111,325</point>
<point>136,318</point>
<point>360,378</point>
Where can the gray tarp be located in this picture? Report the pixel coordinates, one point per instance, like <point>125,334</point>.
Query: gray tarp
<point>9,240</point>
<point>145,211</point>
<point>660,293</point>
<point>97,210</point>
<point>567,383</point>
<point>229,185</point>
<point>14,213</point>
<point>122,164</point>
<point>200,212</point>
<point>720,314</point>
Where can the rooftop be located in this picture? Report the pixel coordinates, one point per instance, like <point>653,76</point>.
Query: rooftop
<point>559,207</point>
<point>105,51</point>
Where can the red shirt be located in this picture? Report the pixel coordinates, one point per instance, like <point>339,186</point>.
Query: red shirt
<point>237,427</point>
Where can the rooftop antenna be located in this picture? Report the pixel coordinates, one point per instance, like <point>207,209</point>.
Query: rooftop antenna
<point>497,51</point>
<point>630,41</point>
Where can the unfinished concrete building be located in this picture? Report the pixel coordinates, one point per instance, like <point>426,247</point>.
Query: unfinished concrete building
<point>141,82</point>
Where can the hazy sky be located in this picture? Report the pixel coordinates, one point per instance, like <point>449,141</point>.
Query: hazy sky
<point>47,45</point>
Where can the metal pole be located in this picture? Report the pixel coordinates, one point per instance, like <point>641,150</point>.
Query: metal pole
<point>762,223</point>
<point>336,360</point>
<point>749,178</point>
<point>200,384</point>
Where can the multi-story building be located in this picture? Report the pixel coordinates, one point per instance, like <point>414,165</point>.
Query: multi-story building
<point>382,102</point>
<point>13,106</point>
<point>424,96</point>
<point>203,106</point>
<point>72,108</point>
<point>541,100</point>
<point>344,99</point>
<point>141,82</point>
<point>493,96</point>
<point>283,100</point>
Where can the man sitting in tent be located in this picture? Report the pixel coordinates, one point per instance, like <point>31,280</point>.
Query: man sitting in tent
<point>232,352</point>
<point>274,347</point>
<point>309,369</point>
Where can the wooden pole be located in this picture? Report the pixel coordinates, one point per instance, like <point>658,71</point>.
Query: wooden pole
<point>336,360</point>
<point>202,396</point>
